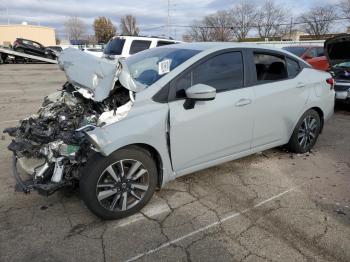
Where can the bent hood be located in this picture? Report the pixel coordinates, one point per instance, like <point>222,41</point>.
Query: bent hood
<point>95,77</point>
<point>337,49</point>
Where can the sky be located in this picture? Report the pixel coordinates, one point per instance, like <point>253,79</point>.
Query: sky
<point>151,14</point>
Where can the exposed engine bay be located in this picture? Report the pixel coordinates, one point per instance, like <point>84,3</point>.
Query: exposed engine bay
<point>51,146</point>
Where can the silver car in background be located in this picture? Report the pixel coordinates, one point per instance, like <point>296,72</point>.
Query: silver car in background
<point>121,131</point>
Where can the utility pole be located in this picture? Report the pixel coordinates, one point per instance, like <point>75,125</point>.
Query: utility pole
<point>168,20</point>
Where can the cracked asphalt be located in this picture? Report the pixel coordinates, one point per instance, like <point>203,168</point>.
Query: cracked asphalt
<point>272,206</point>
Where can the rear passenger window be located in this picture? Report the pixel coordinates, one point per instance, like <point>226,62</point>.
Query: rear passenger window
<point>162,43</point>
<point>270,67</point>
<point>293,68</point>
<point>223,72</point>
<point>138,46</point>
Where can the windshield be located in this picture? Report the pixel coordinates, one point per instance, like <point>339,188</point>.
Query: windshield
<point>296,50</point>
<point>149,66</point>
<point>114,46</point>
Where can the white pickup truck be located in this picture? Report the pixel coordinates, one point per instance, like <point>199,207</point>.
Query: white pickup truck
<point>124,46</point>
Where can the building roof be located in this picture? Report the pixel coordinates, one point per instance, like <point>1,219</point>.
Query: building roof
<point>21,25</point>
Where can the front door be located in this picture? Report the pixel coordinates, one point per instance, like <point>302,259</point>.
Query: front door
<point>212,129</point>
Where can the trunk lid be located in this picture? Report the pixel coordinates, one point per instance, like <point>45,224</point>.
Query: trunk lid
<point>337,49</point>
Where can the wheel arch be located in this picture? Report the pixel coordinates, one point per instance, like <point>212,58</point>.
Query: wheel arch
<point>321,115</point>
<point>154,154</point>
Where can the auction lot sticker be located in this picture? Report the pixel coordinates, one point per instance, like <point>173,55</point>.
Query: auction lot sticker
<point>164,67</point>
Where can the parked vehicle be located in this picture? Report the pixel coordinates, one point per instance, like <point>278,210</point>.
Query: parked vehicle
<point>33,48</point>
<point>338,55</point>
<point>314,55</point>
<point>55,49</point>
<point>120,131</point>
<point>124,46</point>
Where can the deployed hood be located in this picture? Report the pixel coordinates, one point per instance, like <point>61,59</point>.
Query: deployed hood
<point>337,49</point>
<point>95,77</point>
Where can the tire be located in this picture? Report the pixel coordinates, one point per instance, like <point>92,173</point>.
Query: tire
<point>305,133</point>
<point>20,59</point>
<point>113,196</point>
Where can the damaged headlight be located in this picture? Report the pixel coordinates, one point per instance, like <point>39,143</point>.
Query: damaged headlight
<point>68,150</point>
<point>57,149</point>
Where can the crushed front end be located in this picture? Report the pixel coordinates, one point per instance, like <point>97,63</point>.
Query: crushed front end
<point>51,146</point>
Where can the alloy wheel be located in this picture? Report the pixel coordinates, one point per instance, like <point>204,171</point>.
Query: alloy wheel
<point>307,131</point>
<point>122,185</point>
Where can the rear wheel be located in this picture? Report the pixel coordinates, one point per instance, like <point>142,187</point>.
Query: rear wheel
<point>118,185</point>
<point>306,132</point>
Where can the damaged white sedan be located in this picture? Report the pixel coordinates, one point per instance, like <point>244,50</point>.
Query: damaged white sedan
<point>119,131</point>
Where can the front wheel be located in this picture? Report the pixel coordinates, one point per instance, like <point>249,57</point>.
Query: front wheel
<point>306,132</point>
<point>118,185</point>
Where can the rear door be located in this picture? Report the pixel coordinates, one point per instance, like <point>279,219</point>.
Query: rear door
<point>280,94</point>
<point>212,129</point>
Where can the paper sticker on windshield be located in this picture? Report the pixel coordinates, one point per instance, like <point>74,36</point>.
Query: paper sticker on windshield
<point>164,67</point>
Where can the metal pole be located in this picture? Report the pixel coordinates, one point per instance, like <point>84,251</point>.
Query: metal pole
<point>168,20</point>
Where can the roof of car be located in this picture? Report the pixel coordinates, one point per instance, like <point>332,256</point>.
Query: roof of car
<point>147,37</point>
<point>305,46</point>
<point>202,46</point>
<point>217,46</point>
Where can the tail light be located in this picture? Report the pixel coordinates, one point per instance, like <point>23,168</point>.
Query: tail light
<point>331,82</point>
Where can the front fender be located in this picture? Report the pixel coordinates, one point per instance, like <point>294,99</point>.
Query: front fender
<point>144,125</point>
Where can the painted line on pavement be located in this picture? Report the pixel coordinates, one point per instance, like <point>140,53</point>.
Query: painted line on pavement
<point>216,223</point>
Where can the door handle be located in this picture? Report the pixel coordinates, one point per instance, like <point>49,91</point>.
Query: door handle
<point>300,85</point>
<point>243,102</point>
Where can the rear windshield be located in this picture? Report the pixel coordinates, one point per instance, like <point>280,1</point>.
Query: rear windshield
<point>298,51</point>
<point>114,46</point>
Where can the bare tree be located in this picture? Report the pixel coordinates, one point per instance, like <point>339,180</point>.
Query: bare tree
<point>128,25</point>
<point>75,28</point>
<point>318,20</point>
<point>345,8</point>
<point>269,18</point>
<point>215,27</point>
<point>198,32</point>
<point>104,29</point>
<point>243,17</point>
<point>220,26</point>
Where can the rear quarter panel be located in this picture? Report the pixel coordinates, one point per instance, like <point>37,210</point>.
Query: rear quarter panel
<point>322,96</point>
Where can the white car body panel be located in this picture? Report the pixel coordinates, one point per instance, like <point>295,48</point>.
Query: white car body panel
<point>216,131</point>
<point>274,107</point>
<point>216,128</point>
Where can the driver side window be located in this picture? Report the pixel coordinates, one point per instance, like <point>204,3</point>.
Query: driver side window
<point>223,72</point>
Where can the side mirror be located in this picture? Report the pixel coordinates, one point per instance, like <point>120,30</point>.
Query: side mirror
<point>198,92</point>
<point>201,92</point>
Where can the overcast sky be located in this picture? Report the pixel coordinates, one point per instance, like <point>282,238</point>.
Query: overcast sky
<point>151,14</point>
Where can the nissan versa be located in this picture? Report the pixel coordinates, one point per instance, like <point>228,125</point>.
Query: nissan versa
<point>119,131</point>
